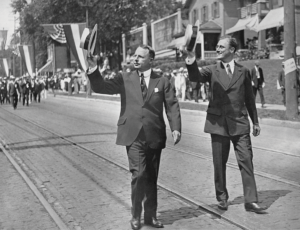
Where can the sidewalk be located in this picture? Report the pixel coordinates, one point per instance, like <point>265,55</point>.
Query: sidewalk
<point>202,107</point>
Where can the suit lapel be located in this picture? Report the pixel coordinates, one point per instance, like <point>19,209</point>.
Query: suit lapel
<point>135,79</point>
<point>236,75</point>
<point>154,79</point>
<point>220,71</point>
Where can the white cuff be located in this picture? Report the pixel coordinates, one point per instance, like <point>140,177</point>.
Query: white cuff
<point>91,70</point>
<point>190,61</point>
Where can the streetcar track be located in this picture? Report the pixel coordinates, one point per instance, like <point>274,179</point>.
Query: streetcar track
<point>177,194</point>
<point>191,153</point>
<point>204,207</point>
<point>207,138</point>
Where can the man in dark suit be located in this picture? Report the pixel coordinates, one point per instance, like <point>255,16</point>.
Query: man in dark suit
<point>227,118</point>
<point>14,91</point>
<point>258,82</point>
<point>141,126</point>
<point>281,82</point>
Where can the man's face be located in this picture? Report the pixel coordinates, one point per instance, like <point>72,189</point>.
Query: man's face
<point>141,59</point>
<point>224,51</point>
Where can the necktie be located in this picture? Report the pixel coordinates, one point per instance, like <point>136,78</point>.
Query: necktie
<point>229,71</point>
<point>143,87</point>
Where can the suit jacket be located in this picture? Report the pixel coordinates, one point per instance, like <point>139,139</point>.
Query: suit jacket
<point>13,88</point>
<point>227,110</point>
<point>135,113</point>
<point>257,81</point>
<point>281,78</point>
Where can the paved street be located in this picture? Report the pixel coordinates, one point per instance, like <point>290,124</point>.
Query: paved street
<point>58,143</point>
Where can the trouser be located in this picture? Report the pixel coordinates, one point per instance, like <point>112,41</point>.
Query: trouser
<point>14,100</point>
<point>7,98</point>
<point>261,93</point>
<point>188,93</point>
<point>244,156</point>
<point>195,94</point>
<point>283,96</point>
<point>203,91</point>
<point>26,99</point>
<point>2,98</point>
<point>144,167</point>
<point>37,97</point>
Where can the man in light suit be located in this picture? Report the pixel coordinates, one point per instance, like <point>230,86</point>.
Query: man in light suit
<point>258,82</point>
<point>227,119</point>
<point>141,126</point>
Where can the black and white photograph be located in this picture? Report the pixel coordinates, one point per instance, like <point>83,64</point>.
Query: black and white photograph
<point>149,114</point>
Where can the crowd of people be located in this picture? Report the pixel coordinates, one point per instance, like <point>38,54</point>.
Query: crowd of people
<point>24,89</point>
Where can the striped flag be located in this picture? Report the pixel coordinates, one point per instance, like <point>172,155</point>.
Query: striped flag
<point>27,56</point>
<point>56,32</point>
<point>4,65</point>
<point>73,34</point>
<point>3,37</point>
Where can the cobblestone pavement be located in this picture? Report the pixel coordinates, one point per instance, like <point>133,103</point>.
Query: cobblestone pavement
<point>54,170</point>
<point>19,207</point>
<point>86,191</point>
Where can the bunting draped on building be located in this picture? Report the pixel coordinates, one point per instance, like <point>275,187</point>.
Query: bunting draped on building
<point>5,66</point>
<point>73,34</point>
<point>56,32</point>
<point>3,37</point>
<point>27,57</point>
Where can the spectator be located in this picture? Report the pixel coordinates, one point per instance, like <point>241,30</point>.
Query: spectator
<point>281,81</point>
<point>180,84</point>
<point>258,82</point>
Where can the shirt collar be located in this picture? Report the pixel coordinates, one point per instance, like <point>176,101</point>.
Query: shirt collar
<point>146,73</point>
<point>231,64</point>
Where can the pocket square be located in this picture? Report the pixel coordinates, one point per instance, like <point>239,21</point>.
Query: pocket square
<point>156,90</point>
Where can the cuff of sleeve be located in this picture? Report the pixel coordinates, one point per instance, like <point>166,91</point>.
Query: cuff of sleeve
<point>91,70</point>
<point>190,61</point>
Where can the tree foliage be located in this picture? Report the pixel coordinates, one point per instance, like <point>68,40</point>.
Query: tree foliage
<point>113,18</point>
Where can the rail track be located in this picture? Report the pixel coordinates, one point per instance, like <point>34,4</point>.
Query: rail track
<point>205,207</point>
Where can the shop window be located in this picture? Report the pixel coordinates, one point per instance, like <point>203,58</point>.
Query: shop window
<point>195,16</point>
<point>211,41</point>
<point>204,14</point>
<point>215,12</point>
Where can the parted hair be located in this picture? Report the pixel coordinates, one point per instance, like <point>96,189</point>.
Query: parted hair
<point>151,50</point>
<point>232,41</point>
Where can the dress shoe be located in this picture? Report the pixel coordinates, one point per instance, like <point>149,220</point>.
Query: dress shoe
<point>135,223</point>
<point>152,221</point>
<point>254,207</point>
<point>223,205</point>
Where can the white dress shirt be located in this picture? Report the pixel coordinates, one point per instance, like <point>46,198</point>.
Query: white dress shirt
<point>147,75</point>
<point>231,64</point>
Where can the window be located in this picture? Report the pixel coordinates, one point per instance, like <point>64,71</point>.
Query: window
<point>215,12</point>
<point>195,16</point>
<point>277,3</point>
<point>204,15</point>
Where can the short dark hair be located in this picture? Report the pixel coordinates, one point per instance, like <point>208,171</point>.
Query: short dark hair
<point>232,41</point>
<point>151,50</point>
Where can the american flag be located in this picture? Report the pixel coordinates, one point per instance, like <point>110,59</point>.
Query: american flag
<point>16,50</point>
<point>56,32</point>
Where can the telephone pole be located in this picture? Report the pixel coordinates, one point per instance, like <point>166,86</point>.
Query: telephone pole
<point>290,53</point>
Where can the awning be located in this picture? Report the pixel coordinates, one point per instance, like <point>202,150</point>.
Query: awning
<point>46,68</point>
<point>177,43</point>
<point>252,25</point>
<point>274,18</point>
<point>242,25</point>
